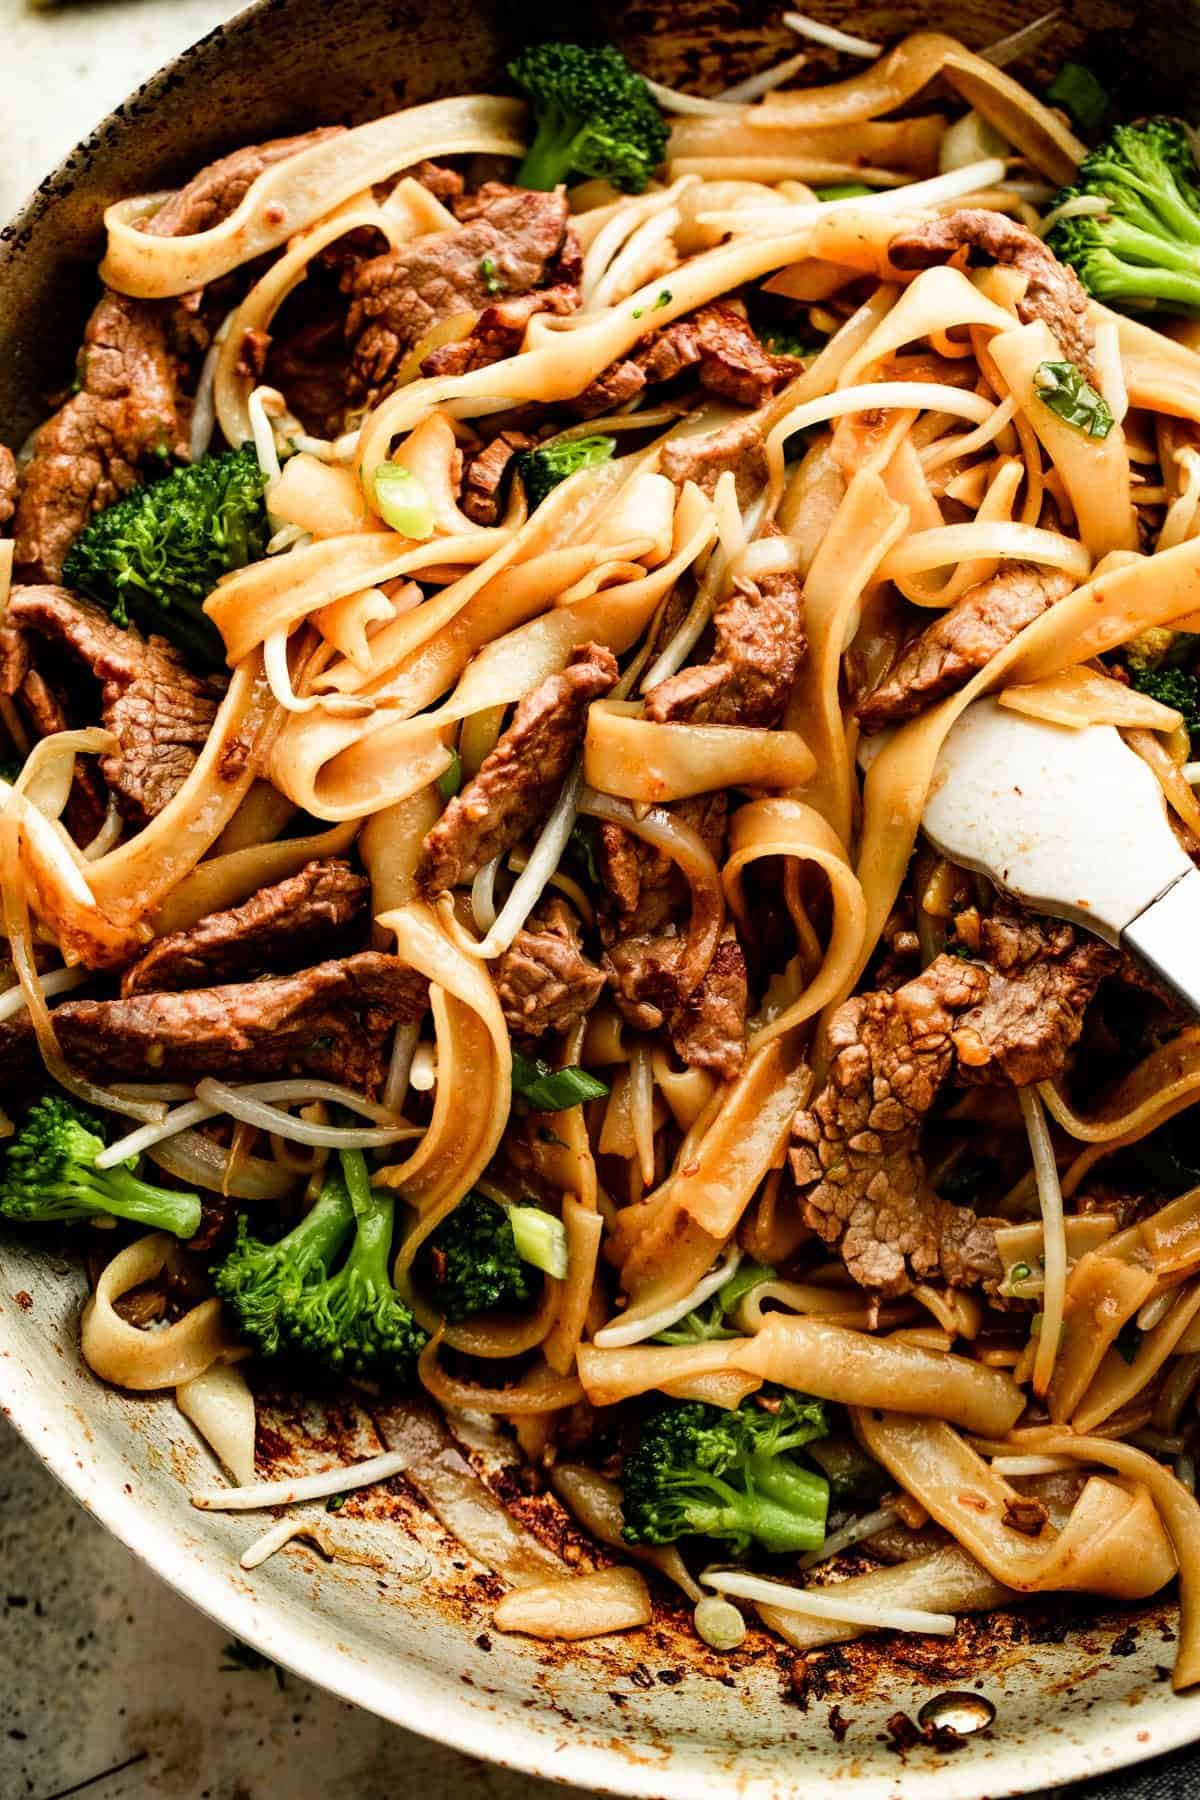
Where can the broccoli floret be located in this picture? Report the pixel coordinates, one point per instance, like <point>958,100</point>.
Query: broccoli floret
<point>710,1319</point>
<point>1143,251</point>
<point>354,1319</point>
<point>156,555</point>
<point>697,1471</point>
<point>48,1176</point>
<point>260,1282</point>
<point>593,117</point>
<point>542,470</point>
<point>1173,687</point>
<point>1150,648</point>
<point>473,1262</point>
<point>289,1296</point>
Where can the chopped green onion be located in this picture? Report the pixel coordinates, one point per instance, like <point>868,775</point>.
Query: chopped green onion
<point>490,275</point>
<point>664,299</point>
<point>553,1090</point>
<point>1020,1272</point>
<point>1078,92</point>
<point>843,190</point>
<point>451,778</point>
<point>581,849</point>
<point>540,1239</point>
<point>402,502</point>
<point>1062,388</point>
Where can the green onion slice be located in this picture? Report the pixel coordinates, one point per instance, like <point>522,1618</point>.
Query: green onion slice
<point>553,1090</point>
<point>402,502</point>
<point>540,1239</point>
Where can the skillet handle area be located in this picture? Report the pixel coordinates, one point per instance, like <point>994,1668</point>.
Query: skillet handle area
<point>1167,937</point>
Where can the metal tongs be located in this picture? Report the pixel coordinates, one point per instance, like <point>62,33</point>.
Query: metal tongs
<point>1073,823</point>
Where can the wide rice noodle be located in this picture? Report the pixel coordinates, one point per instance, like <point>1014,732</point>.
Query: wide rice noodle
<point>146,1360</point>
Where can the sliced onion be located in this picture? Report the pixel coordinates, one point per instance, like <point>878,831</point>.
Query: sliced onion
<point>204,410</point>
<point>49,769</point>
<point>1054,1236</point>
<point>1027,37</point>
<point>264,432</point>
<point>404,1044</point>
<point>1077,207</point>
<point>686,848</point>
<point>253,1105</point>
<point>275,662</point>
<point>856,1532</point>
<point>136,1141</point>
<point>58,981</point>
<point>203,1163</point>
<point>108,836</point>
<point>303,1487</point>
<point>403,502</point>
<point>766,80</point>
<point>621,1332</point>
<point>483,895</point>
<point>831,37</point>
<point>672,100</point>
<point>823,1603</point>
<point>1032,1465</point>
<point>768,556</point>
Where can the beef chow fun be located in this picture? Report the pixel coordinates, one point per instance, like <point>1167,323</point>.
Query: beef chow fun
<point>478,632</point>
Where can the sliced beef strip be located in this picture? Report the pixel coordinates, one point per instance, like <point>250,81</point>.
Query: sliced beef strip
<point>330,1021</point>
<point>856,1151</point>
<point>500,330</point>
<point>758,647</point>
<point>707,1026</point>
<point>127,414</point>
<point>642,888</point>
<point>514,239</point>
<point>716,340</point>
<point>1054,292</point>
<point>8,484</point>
<point>962,640</point>
<point>614,387</point>
<point>545,982</point>
<point>220,188</point>
<point>444,184</point>
<point>484,475</point>
<point>1042,978</point>
<point>705,456</point>
<point>725,346</point>
<point>519,781</point>
<point>280,928</point>
<point>160,713</point>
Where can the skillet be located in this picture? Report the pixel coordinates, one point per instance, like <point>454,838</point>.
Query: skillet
<point>1076,1690</point>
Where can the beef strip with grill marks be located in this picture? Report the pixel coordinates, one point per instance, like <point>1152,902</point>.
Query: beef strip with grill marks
<point>856,1155</point>
<point>519,781</point>
<point>961,641</point>
<point>332,1021</point>
<point>160,713</point>
<point>279,928</point>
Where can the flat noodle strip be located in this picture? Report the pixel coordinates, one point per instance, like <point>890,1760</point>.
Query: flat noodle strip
<point>584,1229</point>
<point>669,1241</point>
<point>1094,471</point>
<point>1118,1382</point>
<point>1180,1514</point>
<point>1113,1542</point>
<point>899,76</point>
<point>136,877</point>
<point>562,359</point>
<point>793,829</point>
<point>867,525</point>
<point>297,191</point>
<point>148,1360</point>
<point>629,755</point>
<point>474,1087</point>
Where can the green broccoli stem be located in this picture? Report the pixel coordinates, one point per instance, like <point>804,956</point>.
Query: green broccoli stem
<point>374,1213</point>
<point>1112,278</point>
<point>768,1515</point>
<point>804,1495</point>
<point>316,1240</point>
<point>548,159</point>
<point>117,1191</point>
